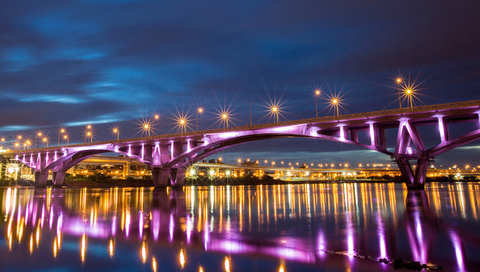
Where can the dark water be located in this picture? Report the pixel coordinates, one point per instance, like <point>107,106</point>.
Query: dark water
<point>310,227</point>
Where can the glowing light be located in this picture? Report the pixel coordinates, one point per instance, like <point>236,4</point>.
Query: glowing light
<point>281,268</point>
<point>3,139</point>
<point>335,102</point>
<point>83,247</point>
<point>144,252</point>
<point>111,248</point>
<point>154,264</point>
<point>146,126</point>
<point>182,258</point>
<point>399,80</point>
<point>182,122</point>
<point>227,264</point>
<point>200,110</point>
<point>156,116</point>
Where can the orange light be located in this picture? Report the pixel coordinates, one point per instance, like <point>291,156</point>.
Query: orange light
<point>317,92</point>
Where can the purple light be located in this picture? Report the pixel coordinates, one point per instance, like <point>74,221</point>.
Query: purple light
<point>171,227</point>
<point>342,133</point>
<point>458,250</point>
<point>140,223</point>
<point>372,134</point>
<point>321,244</point>
<point>381,237</point>
<point>441,128</point>
<point>156,224</point>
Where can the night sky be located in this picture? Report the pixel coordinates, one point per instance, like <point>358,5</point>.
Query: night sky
<point>69,63</point>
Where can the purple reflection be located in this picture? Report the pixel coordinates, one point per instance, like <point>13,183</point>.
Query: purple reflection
<point>79,227</point>
<point>171,227</point>
<point>458,250</point>
<point>321,244</point>
<point>156,224</point>
<point>381,237</point>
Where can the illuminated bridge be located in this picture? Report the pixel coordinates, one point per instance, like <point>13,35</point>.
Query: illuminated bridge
<point>396,133</point>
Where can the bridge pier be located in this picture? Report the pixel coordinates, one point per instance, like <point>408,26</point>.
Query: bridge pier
<point>160,176</point>
<point>178,177</point>
<point>41,178</point>
<point>413,180</point>
<point>58,178</point>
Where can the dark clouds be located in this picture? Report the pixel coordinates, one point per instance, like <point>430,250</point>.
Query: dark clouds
<point>61,61</point>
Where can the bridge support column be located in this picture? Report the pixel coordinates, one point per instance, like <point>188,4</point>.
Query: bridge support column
<point>414,180</point>
<point>178,177</point>
<point>160,176</point>
<point>58,178</point>
<point>41,178</point>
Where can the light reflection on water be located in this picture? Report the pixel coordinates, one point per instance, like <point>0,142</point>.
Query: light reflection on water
<point>226,228</point>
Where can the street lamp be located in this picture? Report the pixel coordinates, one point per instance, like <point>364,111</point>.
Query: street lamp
<point>65,138</point>
<point>61,131</point>
<point>399,81</point>
<point>317,94</point>
<point>116,133</point>
<point>39,136</point>
<point>88,134</point>
<point>199,112</point>
<point>334,103</point>
<point>45,141</point>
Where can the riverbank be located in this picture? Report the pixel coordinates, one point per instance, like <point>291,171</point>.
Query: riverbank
<point>265,180</point>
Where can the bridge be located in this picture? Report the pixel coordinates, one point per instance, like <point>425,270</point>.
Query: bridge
<point>170,155</point>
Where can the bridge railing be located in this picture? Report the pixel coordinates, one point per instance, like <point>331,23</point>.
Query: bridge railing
<point>196,134</point>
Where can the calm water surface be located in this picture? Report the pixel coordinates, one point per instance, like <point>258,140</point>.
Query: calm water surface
<point>307,227</point>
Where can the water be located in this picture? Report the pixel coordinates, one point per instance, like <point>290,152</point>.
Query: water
<point>307,227</point>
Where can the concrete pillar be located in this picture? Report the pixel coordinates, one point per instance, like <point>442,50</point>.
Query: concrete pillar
<point>414,181</point>
<point>178,177</point>
<point>126,169</point>
<point>58,178</point>
<point>41,178</point>
<point>160,176</point>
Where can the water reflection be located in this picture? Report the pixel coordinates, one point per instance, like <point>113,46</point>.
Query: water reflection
<point>307,226</point>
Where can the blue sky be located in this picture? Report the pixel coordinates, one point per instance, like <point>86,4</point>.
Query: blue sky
<point>68,63</point>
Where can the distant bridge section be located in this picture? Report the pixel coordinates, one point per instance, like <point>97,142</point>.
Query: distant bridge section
<point>170,155</point>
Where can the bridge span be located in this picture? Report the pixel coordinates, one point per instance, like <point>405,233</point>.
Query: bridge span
<point>170,155</point>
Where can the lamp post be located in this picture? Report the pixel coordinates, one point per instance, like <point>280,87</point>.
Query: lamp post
<point>116,133</point>
<point>199,111</point>
<point>317,94</point>
<point>399,81</point>
<point>45,141</point>
<point>251,102</point>
<point>65,138</point>
<point>39,135</point>
<point>62,131</point>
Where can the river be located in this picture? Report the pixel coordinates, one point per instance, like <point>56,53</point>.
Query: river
<point>301,227</point>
